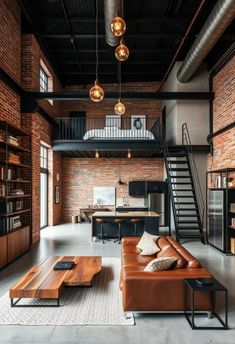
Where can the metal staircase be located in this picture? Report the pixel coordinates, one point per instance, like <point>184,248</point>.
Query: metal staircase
<point>185,191</point>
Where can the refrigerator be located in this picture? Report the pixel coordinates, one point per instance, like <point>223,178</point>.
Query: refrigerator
<point>156,202</point>
<point>216,218</point>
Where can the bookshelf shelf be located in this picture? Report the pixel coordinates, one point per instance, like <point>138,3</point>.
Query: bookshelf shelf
<point>15,191</point>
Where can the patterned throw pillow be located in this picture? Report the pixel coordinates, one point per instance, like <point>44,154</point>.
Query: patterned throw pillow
<point>159,264</point>
<point>147,244</point>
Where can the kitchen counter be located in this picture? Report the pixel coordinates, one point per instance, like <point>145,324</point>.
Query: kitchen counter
<point>149,221</point>
<point>126,214</point>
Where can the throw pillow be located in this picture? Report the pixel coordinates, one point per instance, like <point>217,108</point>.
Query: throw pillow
<point>159,264</point>
<point>147,244</point>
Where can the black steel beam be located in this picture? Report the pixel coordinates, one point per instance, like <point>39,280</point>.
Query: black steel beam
<point>70,62</point>
<point>114,73</point>
<point>150,35</point>
<point>84,95</point>
<point>110,50</point>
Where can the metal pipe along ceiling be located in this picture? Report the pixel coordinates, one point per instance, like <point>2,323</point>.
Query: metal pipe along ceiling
<point>111,10</point>
<point>221,16</point>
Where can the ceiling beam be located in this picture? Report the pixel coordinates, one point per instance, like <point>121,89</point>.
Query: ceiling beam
<point>84,95</point>
<point>150,35</point>
<point>115,62</point>
<point>114,73</point>
<point>88,50</point>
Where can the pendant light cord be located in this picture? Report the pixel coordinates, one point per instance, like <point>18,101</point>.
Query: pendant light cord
<point>96,41</point>
<point>120,80</point>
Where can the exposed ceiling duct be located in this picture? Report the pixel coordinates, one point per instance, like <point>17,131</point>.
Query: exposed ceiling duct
<point>221,16</point>
<point>111,10</point>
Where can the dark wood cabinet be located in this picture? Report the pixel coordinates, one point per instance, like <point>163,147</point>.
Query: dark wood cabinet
<point>3,251</point>
<point>18,242</point>
<point>15,192</point>
<point>137,188</point>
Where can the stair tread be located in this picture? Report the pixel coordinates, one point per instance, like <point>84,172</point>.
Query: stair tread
<point>182,183</point>
<point>181,162</point>
<point>187,215</point>
<point>187,196</point>
<point>183,176</point>
<point>191,190</point>
<point>179,169</point>
<point>187,221</point>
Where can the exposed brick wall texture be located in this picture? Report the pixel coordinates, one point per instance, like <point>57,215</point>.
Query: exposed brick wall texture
<point>224,114</point>
<point>9,105</point>
<point>81,175</point>
<point>57,170</point>
<point>10,42</point>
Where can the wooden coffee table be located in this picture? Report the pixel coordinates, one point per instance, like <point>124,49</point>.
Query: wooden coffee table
<point>42,282</point>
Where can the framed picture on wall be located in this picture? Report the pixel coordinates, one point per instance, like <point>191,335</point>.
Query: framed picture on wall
<point>57,194</point>
<point>138,122</point>
<point>113,121</point>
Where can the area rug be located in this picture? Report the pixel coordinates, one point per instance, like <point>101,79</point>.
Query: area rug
<point>100,304</point>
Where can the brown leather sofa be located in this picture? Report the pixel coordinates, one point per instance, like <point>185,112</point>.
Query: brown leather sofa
<point>159,290</point>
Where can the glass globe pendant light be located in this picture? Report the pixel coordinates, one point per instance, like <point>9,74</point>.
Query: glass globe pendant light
<point>96,92</point>
<point>119,108</point>
<point>121,52</point>
<point>118,26</point>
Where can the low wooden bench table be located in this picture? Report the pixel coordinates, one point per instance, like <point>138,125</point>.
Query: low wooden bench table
<point>43,282</point>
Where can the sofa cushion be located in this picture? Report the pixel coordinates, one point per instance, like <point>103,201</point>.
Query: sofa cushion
<point>163,243</point>
<point>135,259</point>
<point>147,244</point>
<point>160,264</point>
<point>180,262</point>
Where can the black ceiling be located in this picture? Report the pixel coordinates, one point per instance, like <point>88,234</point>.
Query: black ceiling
<point>66,31</point>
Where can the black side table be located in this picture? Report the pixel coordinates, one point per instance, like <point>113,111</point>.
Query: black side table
<point>191,284</point>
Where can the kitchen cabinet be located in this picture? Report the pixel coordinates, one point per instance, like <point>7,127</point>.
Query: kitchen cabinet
<point>137,188</point>
<point>127,209</point>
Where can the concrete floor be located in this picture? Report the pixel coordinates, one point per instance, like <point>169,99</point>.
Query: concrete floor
<point>153,328</point>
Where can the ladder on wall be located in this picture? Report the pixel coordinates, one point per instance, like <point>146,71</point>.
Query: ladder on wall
<point>185,190</point>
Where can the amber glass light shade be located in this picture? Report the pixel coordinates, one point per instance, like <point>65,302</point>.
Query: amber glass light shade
<point>118,26</point>
<point>119,108</point>
<point>96,92</point>
<point>129,154</point>
<point>122,52</point>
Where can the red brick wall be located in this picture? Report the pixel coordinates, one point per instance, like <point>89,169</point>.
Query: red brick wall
<point>10,42</point>
<point>81,175</point>
<point>148,107</point>
<point>224,114</point>
<point>9,105</point>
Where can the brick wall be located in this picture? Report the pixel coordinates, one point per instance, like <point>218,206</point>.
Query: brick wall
<point>224,114</point>
<point>81,175</point>
<point>9,105</point>
<point>148,107</point>
<point>10,42</point>
<point>57,181</point>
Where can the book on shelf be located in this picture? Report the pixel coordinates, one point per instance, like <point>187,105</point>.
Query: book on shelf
<point>232,207</point>
<point>2,135</point>
<point>13,222</point>
<point>13,158</point>
<point>233,222</point>
<point>2,190</point>
<point>13,140</point>
<point>17,192</point>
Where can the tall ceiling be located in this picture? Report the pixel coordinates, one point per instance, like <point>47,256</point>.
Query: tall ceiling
<point>66,31</point>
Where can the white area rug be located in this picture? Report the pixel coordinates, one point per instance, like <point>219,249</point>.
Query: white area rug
<point>100,304</point>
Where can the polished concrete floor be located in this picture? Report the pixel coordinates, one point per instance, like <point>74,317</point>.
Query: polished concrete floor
<point>152,328</point>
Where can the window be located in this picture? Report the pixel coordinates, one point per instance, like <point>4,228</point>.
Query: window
<point>44,157</point>
<point>46,80</point>
<point>43,81</point>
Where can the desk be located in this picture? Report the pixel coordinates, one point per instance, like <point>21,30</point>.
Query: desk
<point>87,212</point>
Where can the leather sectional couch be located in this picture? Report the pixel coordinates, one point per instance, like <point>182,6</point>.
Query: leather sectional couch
<point>159,290</point>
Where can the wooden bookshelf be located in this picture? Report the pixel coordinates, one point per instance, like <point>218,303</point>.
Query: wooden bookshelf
<point>15,177</point>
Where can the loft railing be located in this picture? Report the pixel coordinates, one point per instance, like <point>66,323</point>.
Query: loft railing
<point>92,128</point>
<point>187,143</point>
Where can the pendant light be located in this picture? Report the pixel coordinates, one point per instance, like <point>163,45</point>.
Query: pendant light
<point>97,155</point>
<point>118,26</point>
<point>119,108</point>
<point>96,92</point>
<point>129,154</point>
<point>121,52</point>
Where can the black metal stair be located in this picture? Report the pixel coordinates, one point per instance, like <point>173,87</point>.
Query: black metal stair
<point>186,203</point>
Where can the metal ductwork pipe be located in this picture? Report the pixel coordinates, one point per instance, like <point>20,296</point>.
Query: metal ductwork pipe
<point>221,16</point>
<point>111,10</point>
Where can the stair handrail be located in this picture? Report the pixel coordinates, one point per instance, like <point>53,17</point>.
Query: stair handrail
<point>186,141</point>
<point>166,153</point>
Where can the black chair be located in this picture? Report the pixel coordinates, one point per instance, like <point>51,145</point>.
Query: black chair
<point>119,222</point>
<point>100,236</point>
<point>136,221</point>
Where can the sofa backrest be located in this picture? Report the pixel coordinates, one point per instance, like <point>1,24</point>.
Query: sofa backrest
<point>171,248</point>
